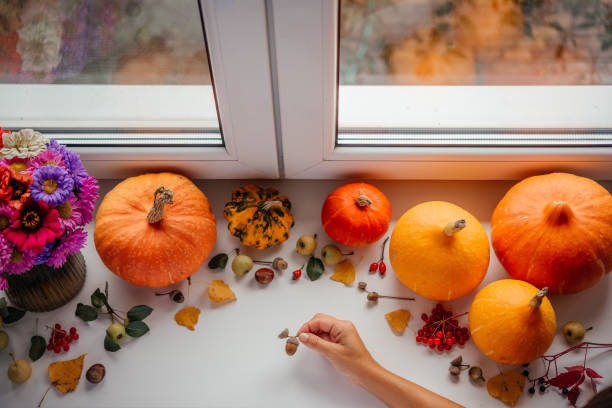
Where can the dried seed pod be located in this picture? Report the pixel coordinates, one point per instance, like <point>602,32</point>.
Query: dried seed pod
<point>292,345</point>
<point>476,373</point>
<point>373,296</point>
<point>362,285</point>
<point>457,361</point>
<point>95,373</point>
<point>284,334</point>
<point>454,370</point>
<point>264,275</point>
<point>279,264</point>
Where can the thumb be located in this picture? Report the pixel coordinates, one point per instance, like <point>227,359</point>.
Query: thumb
<point>316,343</point>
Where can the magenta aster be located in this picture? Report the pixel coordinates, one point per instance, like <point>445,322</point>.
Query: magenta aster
<point>5,253</point>
<point>51,184</point>
<point>7,215</point>
<point>87,199</point>
<point>70,215</point>
<point>48,157</point>
<point>21,262</point>
<point>70,243</point>
<point>37,224</point>
<point>3,283</point>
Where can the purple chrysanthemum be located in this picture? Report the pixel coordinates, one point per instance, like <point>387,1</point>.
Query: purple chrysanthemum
<point>75,168</point>
<point>42,257</point>
<point>6,250</point>
<point>24,264</point>
<point>51,184</point>
<point>48,157</point>
<point>69,243</point>
<point>58,147</point>
<point>87,199</point>
<point>3,283</point>
<point>74,219</point>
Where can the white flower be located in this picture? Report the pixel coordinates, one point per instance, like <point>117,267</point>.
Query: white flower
<point>39,45</point>
<point>23,144</point>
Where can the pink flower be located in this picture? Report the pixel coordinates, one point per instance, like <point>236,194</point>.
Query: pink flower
<point>5,253</point>
<point>87,199</point>
<point>45,158</point>
<point>3,283</point>
<point>21,262</point>
<point>38,223</point>
<point>70,243</point>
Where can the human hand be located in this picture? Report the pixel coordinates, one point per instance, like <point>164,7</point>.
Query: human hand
<point>339,342</point>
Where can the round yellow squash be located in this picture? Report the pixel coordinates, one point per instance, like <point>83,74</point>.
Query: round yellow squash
<point>439,250</point>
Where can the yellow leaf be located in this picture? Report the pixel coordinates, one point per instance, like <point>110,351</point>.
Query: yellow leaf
<point>398,320</point>
<point>188,317</point>
<point>507,386</point>
<point>219,291</point>
<point>65,375</point>
<point>344,273</point>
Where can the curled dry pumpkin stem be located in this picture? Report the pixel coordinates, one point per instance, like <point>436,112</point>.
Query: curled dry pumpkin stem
<point>454,227</point>
<point>363,200</point>
<point>162,196</point>
<point>536,301</point>
<point>266,205</point>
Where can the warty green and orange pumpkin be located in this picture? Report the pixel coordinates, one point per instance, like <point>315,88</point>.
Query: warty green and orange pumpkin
<point>439,250</point>
<point>555,230</point>
<point>154,229</point>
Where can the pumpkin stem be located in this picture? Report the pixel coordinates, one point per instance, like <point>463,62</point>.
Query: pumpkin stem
<point>162,196</point>
<point>363,200</point>
<point>454,227</point>
<point>558,212</point>
<point>266,205</point>
<point>536,301</point>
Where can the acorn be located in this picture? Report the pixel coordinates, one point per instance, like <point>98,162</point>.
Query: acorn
<point>95,373</point>
<point>291,346</point>
<point>373,296</point>
<point>362,285</point>
<point>475,373</point>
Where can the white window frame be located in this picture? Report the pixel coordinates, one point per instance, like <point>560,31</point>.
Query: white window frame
<point>237,37</point>
<point>305,38</point>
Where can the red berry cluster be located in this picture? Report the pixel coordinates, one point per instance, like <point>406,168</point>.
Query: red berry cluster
<point>441,330</point>
<point>380,265</point>
<point>60,339</point>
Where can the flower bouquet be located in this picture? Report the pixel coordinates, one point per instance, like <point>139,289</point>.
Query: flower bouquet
<point>46,197</point>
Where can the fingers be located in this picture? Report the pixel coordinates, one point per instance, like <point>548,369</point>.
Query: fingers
<point>320,323</point>
<point>315,342</point>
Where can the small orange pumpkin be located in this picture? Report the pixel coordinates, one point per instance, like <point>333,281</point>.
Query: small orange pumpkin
<point>512,322</point>
<point>356,214</point>
<point>555,230</point>
<point>439,250</point>
<point>154,229</point>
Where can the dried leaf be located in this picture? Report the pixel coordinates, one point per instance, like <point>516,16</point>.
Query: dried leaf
<point>188,317</point>
<point>398,320</point>
<point>344,273</point>
<point>565,380</point>
<point>591,373</point>
<point>219,291</point>
<point>65,375</point>
<point>507,386</point>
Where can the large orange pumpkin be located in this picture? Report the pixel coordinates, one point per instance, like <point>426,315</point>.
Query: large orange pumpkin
<point>155,229</point>
<point>556,231</point>
<point>356,214</point>
<point>512,322</point>
<point>439,250</point>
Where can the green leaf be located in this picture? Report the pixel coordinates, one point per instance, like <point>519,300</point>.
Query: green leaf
<point>3,310</point>
<point>98,299</point>
<point>110,345</point>
<point>314,268</point>
<point>444,9</point>
<point>13,315</point>
<point>86,312</point>
<point>37,347</point>
<point>136,329</point>
<point>139,312</point>
<point>218,261</point>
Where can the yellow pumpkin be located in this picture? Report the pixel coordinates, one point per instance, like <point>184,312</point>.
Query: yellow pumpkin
<point>512,321</point>
<point>439,250</point>
<point>259,217</point>
<point>155,229</point>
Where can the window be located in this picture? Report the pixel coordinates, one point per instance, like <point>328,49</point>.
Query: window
<point>471,89</point>
<point>186,82</point>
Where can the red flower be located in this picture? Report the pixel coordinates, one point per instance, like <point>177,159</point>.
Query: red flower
<point>10,60</point>
<point>14,186</point>
<point>37,224</point>
<point>1,133</point>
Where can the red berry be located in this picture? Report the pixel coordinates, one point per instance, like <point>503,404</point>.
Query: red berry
<point>382,268</point>
<point>448,347</point>
<point>72,330</point>
<point>418,339</point>
<point>58,326</point>
<point>296,274</point>
<point>430,329</point>
<point>66,347</point>
<point>439,334</point>
<point>75,336</point>
<point>424,317</point>
<point>441,347</point>
<point>461,342</point>
<point>431,345</point>
<point>57,349</point>
<point>374,267</point>
<point>49,346</point>
<point>420,332</point>
<point>64,343</point>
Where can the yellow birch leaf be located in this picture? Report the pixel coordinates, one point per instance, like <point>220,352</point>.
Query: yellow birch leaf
<point>219,291</point>
<point>188,317</point>
<point>344,273</point>
<point>65,375</point>
<point>398,320</point>
<point>507,386</point>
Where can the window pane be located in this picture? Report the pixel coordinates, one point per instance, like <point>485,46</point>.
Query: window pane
<point>108,67</point>
<point>400,62</point>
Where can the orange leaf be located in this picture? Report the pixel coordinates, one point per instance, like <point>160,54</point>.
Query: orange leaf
<point>219,291</point>
<point>398,320</point>
<point>188,317</point>
<point>65,375</point>
<point>507,386</point>
<point>344,273</point>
